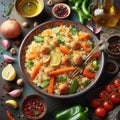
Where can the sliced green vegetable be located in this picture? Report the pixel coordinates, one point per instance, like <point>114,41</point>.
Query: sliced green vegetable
<point>60,37</point>
<point>68,113</point>
<point>44,84</point>
<point>55,30</point>
<point>85,81</point>
<point>38,39</point>
<point>74,86</point>
<point>95,64</point>
<point>29,64</point>
<point>59,41</point>
<point>61,79</point>
<point>73,31</point>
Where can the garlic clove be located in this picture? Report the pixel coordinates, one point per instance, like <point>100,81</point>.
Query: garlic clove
<point>5,44</point>
<point>15,93</point>
<point>97,30</point>
<point>90,27</point>
<point>8,58</point>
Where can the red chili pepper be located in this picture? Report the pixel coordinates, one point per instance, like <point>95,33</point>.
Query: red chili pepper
<point>10,117</point>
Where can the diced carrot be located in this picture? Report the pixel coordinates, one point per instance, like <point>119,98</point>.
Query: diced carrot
<point>62,29</point>
<point>46,33</point>
<point>88,74</point>
<point>51,85</point>
<point>96,55</point>
<point>61,71</point>
<point>34,54</point>
<point>36,70</point>
<point>84,36</point>
<point>85,46</point>
<point>10,117</point>
<point>64,50</point>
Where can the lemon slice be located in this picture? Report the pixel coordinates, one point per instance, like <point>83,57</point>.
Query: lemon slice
<point>11,103</point>
<point>55,58</point>
<point>46,58</point>
<point>8,73</point>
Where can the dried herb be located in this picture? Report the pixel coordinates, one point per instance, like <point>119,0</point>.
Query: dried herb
<point>9,9</point>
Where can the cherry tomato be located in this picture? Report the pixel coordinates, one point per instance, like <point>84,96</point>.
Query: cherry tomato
<point>115,98</point>
<point>116,82</point>
<point>103,94</point>
<point>100,112</point>
<point>95,103</point>
<point>108,105</point>
<point>109,88</point>
<point>119,91</point>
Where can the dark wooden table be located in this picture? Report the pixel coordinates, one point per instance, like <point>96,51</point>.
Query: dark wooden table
<point>53,104</point>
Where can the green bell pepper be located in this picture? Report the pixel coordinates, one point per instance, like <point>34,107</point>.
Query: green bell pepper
<point>68,113</point>
<point>80,115</point>
<point>73,113</point>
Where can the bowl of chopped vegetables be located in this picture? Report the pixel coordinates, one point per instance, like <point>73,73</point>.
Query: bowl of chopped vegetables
<point>52,51</point>
<point>34,107</point>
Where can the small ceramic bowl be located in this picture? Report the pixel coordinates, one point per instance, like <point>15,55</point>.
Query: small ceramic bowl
<point>61,10</point>
<point>29,8</point>
<point>34,107</point>
<point>111,67</point>
<point>60,0</point>
<point>114,45</point>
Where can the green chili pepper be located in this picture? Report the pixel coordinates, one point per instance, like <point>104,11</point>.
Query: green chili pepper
<point>68,113</point>
<point>38,39</point>
<point>44,84</point>
<point>80,115</point>
<point>74,86</point>
<point>84,8</point>
<point>95,64</point>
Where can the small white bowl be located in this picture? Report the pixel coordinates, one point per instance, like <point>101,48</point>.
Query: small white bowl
<point>61,10</point>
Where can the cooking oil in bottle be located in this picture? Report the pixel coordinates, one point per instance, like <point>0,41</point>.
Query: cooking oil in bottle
<point>105,13</point>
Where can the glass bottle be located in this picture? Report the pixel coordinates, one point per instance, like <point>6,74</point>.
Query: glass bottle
<point>105,13</point>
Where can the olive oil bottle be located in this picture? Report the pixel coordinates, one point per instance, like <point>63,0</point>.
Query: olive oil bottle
<point>105,13</point>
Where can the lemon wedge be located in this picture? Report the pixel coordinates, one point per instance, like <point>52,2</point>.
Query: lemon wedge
<point>55,58</point>
<point>9,73</point>
<point>11,103</point>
